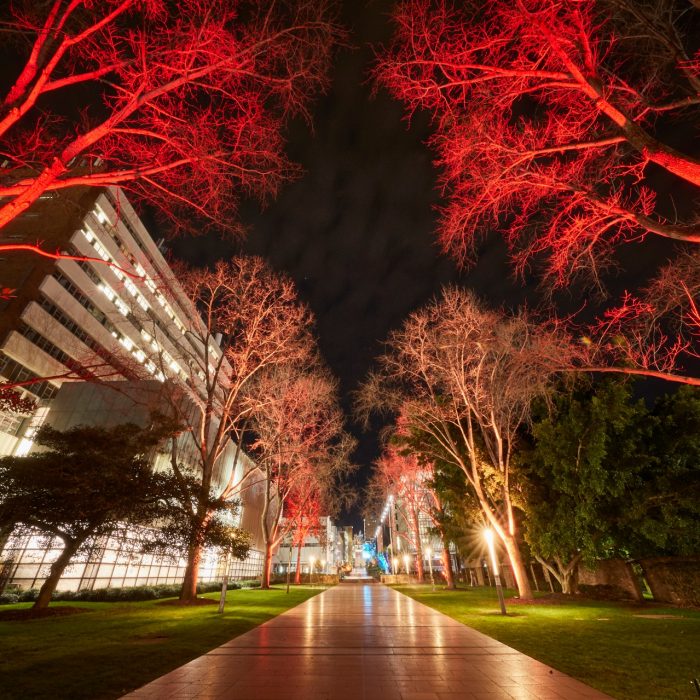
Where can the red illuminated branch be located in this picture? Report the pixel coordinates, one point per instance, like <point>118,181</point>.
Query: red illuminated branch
<point>545,123</point>
<point>9,247</point>
<point>674,378</point>
<point>195,99</point>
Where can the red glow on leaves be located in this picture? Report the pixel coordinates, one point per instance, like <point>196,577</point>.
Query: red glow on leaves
<point>195,97</point>
<point>544,115</point>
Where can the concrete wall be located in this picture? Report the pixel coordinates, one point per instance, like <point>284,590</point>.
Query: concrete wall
<point>612,572</point>
<point>673,579</point>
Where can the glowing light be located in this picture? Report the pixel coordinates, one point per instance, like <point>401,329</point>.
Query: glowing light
<point>488,536</point>
<point>406,560</point>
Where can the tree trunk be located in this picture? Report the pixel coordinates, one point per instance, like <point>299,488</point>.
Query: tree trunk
<point>267,566</point>
<point>516,562</point>
<point>297,573</point>
<point>57,569</point>
<point>447,563</point>
<point>189,583</point>
<point>415,526</point>
<point>569,582</point>
<point>194,556</point>
<point>567,574</point>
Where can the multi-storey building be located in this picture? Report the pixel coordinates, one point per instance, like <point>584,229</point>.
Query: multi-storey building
<point>317,551</point>
<point>108,312</point>
<point>80,319</point>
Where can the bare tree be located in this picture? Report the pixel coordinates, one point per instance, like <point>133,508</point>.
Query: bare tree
<point>251,322</point>
<point>399,474</point>
<point>467,376</point>
<point>299,442</point>
<point>548,115</point>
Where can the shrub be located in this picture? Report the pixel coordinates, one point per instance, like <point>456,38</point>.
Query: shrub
<point>603,592</point>
<point>249,583</point>
<point>116,595</point>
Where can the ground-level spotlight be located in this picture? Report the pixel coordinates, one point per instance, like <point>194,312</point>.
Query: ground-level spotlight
<point>395,564</point>
<point>406,560</point>
<point>488,536</point>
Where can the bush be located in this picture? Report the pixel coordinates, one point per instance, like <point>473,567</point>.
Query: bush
<point>249,583</point>
<point>603,592</point>
<point>29,596</point>
<point>168,590</point>
<point>116,595</point>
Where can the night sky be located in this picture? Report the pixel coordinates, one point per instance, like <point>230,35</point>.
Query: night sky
<point>356,232</point>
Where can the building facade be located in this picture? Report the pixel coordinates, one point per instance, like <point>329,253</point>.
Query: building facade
<point>73,330</point>
<point>319,551</point>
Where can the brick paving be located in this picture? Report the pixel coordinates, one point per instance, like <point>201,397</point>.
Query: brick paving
<point>364,642</point>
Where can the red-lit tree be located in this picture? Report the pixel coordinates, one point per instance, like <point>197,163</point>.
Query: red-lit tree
<point>399,474</point>
<point>652,333</point>
<point>304,510</point>
<point>548,118</point>
<point>556,123</point>
<point>465,377</point>
<point>299,442</point>
<point>181,104</point>
<point>432,504</point>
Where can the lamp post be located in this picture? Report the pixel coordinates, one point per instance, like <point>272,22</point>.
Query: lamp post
<point>429,552</point>
<point>488,535</point>
<point>312,561</point>
<point>224,584</point>
<point>406,559</point>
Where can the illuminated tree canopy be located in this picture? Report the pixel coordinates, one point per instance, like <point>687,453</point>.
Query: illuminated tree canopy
<point>181,104</point>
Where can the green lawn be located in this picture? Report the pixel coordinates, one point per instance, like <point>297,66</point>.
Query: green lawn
<point>603,644</point>
<point>115,647</point>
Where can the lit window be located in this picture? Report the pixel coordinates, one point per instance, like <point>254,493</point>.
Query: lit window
<point>100,215</point>
<point>23,448</point>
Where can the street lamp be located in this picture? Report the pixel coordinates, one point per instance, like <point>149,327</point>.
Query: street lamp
<point>395,563</point>
<point>312,561</point>
<point>406,559</point>
<point>429,552</point>
<point>488,536</point>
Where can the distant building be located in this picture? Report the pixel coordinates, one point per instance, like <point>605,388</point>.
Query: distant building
<point>320,548</point>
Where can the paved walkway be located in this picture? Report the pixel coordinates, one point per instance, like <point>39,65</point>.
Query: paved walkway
<point>361,642</point>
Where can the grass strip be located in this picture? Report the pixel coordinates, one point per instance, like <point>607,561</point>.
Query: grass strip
<point>606,645</point>
<point>117,647</point>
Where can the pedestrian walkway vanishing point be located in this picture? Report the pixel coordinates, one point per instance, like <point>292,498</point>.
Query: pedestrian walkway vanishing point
<point>361,642</point>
